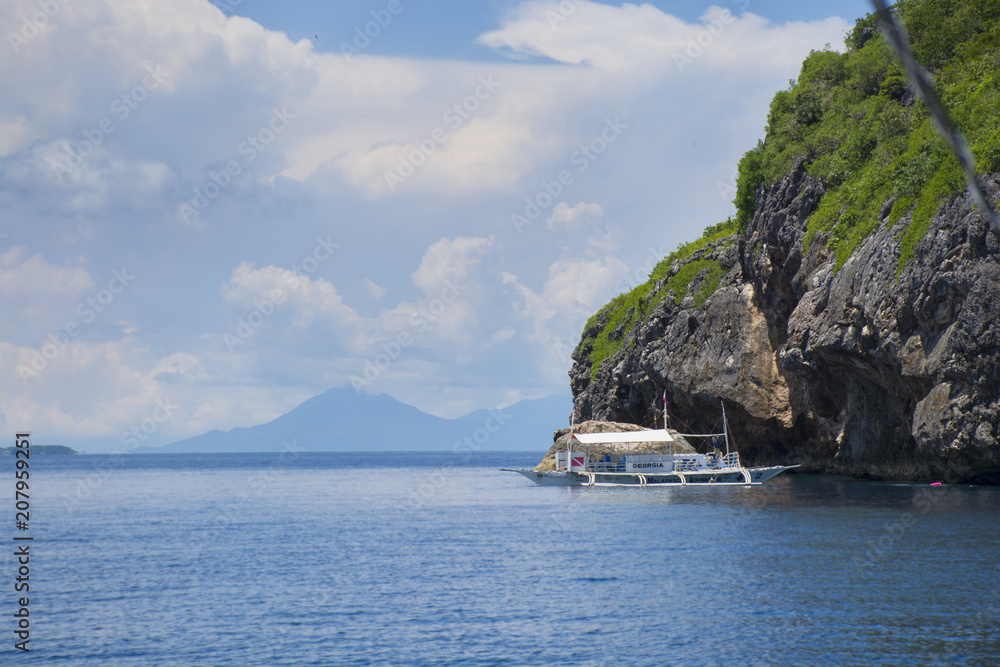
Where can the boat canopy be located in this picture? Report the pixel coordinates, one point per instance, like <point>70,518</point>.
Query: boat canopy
<point>651,435</point>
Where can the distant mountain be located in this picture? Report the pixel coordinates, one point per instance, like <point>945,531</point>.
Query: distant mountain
<point>342,419</point>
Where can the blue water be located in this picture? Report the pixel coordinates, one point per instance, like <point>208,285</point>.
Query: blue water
<point>402,559</point>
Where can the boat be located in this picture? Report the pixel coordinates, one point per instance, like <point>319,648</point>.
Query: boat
<point>576,468</point>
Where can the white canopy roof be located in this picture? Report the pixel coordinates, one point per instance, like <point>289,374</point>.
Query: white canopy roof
<point>652,435</point>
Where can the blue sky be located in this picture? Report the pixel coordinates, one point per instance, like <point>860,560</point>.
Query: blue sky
<point>210,216</point>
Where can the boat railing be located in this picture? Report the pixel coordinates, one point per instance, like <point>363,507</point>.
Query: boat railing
<point>606,466</point>
<point>682,463</point>
<point>692,463</point>
<point>696,462</point>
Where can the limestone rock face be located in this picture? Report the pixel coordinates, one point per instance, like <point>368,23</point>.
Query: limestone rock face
<point>853,370</point>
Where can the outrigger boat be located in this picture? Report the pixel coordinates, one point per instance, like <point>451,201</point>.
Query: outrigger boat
<point>575,468</point>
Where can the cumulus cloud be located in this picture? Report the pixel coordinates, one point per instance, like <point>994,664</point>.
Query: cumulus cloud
<point>219,81</point>
<point>36,279</point>
<point>16,133</point>
<point>574,290</point>
<point>632,37</point>
<point>447,127</point>
<point>449,260</point>
<point>273,290</point>
<point>376,291</point>
<point>450,280</point>
<point>309,315</point>
<point>124,384</point>
<point>39,297</point>
<point>574,217</point>
<point>67,179</point>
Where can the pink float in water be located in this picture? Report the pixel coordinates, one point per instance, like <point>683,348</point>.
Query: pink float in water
<point>935,483</point>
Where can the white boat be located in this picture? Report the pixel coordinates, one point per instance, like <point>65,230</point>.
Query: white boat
<point>575,468</point>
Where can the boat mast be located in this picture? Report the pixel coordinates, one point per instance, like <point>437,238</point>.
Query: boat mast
<point>665,423</point>
<point>654,423</point>
<point>725,430</point>
<point>569,443</point>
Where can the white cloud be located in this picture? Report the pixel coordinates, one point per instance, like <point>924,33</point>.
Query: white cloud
<point>451,280</point>
<point>573,285</point>
<point>502,336</point>
<point>274,290</point>
<point>604,241</point>
<point>574,290</point>
<point>39,297</point>
<point>632,37</point>
<point>602,36</point>
<point>354,121</point>
<point>119,393</point>
<point>36,279</point>
<point>222,78</point>
<point>574,217</point>
<point>15,134</point>
<point>376,291</point>
<point>309,314</point>
<point>131,392</point>
<point>59,174</point>
<point>449,260</point>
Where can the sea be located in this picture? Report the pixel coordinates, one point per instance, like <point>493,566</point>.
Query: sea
<point>300,558</point>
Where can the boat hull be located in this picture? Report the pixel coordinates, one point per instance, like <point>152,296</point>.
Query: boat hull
<point>724,477</point>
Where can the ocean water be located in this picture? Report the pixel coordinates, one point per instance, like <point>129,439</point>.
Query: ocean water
<point>436,559</point>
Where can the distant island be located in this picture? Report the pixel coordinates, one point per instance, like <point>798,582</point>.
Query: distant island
<point>41,449</point>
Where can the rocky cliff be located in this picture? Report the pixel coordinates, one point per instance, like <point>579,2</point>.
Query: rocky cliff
<point>859,369</point>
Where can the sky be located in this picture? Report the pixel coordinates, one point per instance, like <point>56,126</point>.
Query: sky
<point>210,212</point>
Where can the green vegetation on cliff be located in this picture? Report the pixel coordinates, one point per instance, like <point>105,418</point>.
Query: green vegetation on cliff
<point>852,119</point>
<point>607,330</point>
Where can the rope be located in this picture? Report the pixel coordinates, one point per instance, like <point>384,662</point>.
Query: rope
<point>922,81</point>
